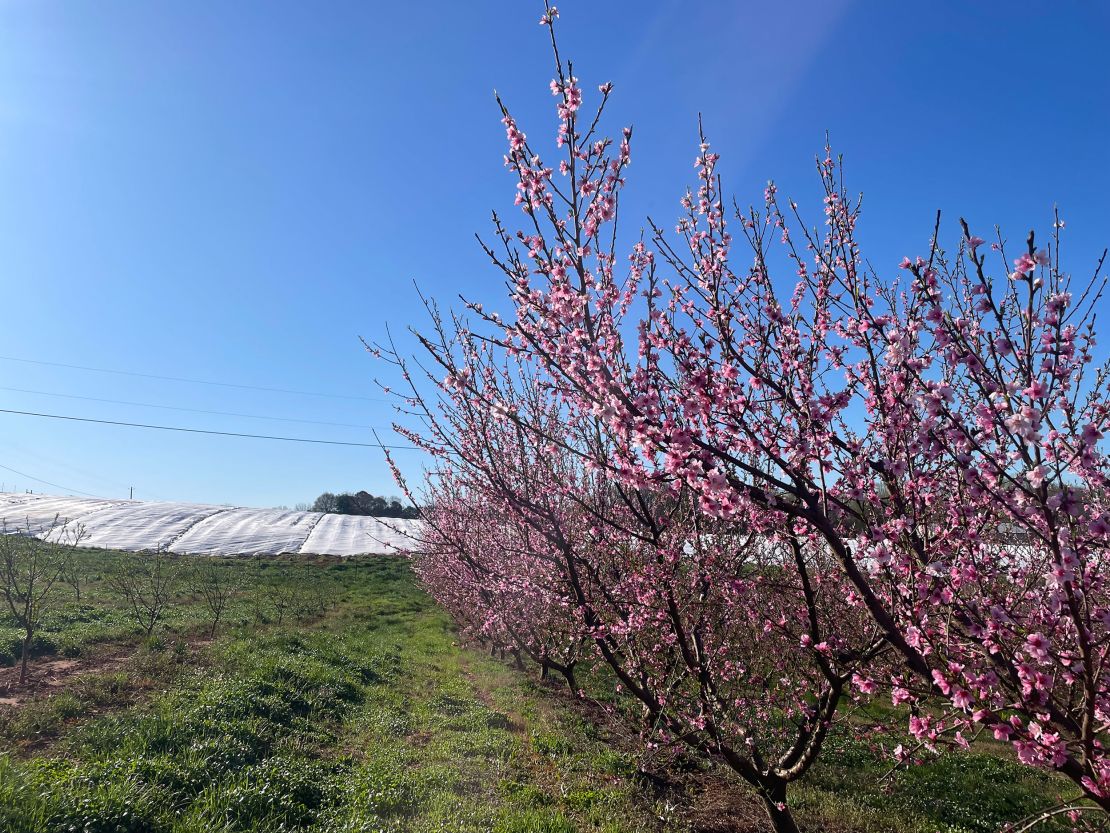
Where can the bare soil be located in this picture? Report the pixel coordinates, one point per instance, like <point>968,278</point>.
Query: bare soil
<point>48,676</point>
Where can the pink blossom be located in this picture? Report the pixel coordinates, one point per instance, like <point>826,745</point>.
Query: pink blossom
<point>1037,645</point>
<point>1024,264</point>
<point>1091,434</point>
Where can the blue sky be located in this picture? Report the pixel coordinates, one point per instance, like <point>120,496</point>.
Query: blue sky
<point>235,192</point>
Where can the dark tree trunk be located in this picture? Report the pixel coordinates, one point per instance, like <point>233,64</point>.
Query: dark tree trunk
<point>547,666</point>
<point>568,674</point>
<point>774,802</point>
<point>26,655</point>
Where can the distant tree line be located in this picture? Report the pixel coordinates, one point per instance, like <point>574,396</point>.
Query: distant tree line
<point>364,503</point>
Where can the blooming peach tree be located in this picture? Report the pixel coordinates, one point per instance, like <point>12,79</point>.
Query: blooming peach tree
<point>743,466</point>
<point>737,644</point>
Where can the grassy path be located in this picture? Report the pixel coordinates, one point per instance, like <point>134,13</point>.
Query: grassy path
<point>370,719</point>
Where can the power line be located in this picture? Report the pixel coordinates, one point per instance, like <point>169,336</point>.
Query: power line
<point>192,381</point>
<point>188,410</point>
<point>47,482</point>
<point>82,473</point>
<point>203,431</point>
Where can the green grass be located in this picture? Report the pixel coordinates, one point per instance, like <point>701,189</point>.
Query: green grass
<point>978,791</point>
<point>370,718</point>
<point>365,714</point>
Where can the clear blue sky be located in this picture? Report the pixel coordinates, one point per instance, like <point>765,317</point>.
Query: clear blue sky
<point>236,191</point>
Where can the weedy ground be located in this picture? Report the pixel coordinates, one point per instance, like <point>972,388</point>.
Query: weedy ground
<point>336,697</point>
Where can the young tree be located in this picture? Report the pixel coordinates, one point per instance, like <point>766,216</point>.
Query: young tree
<point>74,572</point>
<point>280,591</point>
<point>311,595</point>
<point>217,583</point>
<point>29,569</point>
<point>147,584</point>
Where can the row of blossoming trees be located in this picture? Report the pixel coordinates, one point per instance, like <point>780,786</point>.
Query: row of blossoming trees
<point>756,499</point>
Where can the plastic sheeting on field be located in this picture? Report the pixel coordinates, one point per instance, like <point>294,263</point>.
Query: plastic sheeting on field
<point>351,535</point>
<point>203,529</point>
